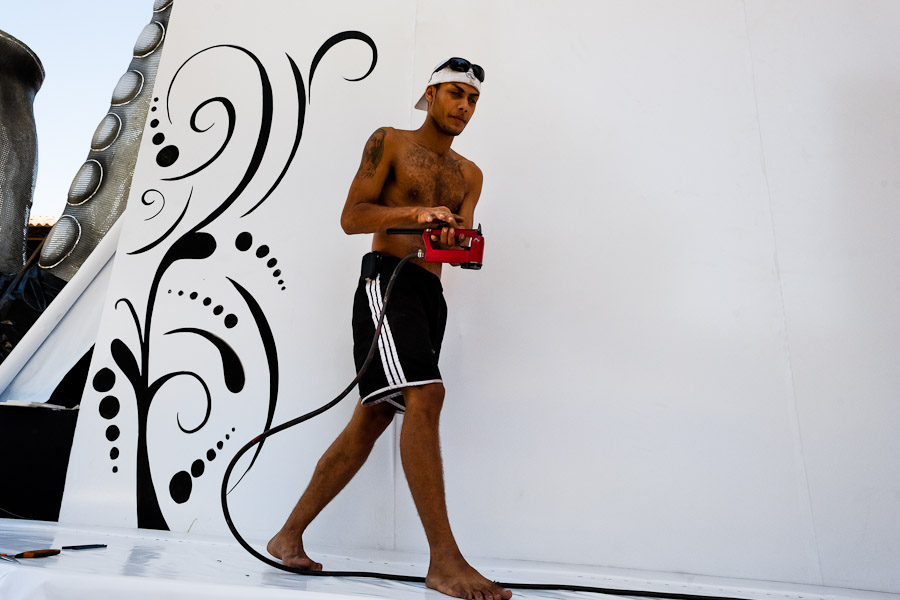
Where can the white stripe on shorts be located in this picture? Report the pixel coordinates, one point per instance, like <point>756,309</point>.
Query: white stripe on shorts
<point>374,311</point>
<point>389,361</point>
<point>386,331</point>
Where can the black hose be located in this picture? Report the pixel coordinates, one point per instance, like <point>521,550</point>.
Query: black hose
<point>388,576</point>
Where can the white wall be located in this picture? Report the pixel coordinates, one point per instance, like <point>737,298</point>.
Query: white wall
<point>828,89</point>
<point>679,355</point>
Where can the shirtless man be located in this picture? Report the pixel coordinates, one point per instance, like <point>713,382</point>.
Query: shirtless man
<point>406,178</point>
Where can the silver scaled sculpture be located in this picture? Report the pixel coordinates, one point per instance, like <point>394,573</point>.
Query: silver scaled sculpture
<point>21,76</point>
<point>99,192</point>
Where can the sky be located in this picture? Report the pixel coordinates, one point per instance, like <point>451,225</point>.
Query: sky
<point>85,47</point>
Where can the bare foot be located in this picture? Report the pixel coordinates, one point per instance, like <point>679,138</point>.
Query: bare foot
<point>290,550</point>
<point>458,579</point>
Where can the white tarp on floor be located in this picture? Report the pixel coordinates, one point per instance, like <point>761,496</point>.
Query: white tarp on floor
<point>146,564</point>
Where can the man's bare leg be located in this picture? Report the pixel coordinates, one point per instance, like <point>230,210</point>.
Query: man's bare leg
<point>335,469</point>
<point>420,451</point>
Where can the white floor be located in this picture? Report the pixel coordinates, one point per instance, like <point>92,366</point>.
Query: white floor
<point>149,564</point>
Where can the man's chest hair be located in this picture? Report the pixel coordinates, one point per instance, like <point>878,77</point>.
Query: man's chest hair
<point>427,179</point>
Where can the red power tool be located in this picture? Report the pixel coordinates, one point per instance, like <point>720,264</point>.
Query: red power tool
<point>467,257</point>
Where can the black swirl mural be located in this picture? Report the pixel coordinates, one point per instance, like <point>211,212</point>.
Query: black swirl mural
<point>191,246</point>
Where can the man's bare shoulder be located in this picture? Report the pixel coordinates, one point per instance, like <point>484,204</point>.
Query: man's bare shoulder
<point>470,170</point>
<point>398,136</point>
<point>391,138</point>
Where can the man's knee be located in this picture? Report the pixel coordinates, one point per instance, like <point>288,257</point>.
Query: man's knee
<point>426,399</point>
<point>374,419</point>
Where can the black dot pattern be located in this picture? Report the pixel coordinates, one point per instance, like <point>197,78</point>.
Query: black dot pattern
<point>181,485</point>
<point>167,155</point>
<point>231,320</point>
<point>109,409</point>
<point>244,242</point>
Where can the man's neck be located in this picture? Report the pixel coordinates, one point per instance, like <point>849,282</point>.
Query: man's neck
<point>434,139</point>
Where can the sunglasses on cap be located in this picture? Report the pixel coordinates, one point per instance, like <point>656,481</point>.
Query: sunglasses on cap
<point>463,66</point>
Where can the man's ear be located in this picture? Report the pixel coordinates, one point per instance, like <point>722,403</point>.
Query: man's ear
<point>430,93</point>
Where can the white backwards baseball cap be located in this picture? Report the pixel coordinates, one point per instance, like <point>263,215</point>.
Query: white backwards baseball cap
<point>455,70</point>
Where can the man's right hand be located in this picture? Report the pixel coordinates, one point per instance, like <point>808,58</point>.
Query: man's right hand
<point>441,216</point>
<point>428,215</point>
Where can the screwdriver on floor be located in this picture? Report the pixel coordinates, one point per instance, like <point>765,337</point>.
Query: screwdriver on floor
<point>33,554</point>
<point>52,552</point>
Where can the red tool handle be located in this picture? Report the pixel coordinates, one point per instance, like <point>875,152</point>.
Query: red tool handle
<point>470,257</point>
<point>467,258</point>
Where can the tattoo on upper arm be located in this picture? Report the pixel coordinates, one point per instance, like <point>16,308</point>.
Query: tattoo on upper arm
<point>372,155</point>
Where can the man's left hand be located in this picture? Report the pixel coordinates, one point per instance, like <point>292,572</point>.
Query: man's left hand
<point>448,239</point>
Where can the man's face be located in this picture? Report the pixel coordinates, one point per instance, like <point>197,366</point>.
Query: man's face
<point>451,105</point>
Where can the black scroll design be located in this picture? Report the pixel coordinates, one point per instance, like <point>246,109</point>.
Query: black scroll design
<point>298,134</point>
<point>229,108</point>
<point>334,41</point>
<point>168,232</point>
<point>195,245</point>
<point>301,93</point>
<point>145,202</point>
<point>268,340</point>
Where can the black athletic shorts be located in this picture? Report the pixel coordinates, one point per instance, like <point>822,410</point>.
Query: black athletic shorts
<point>410,340</point>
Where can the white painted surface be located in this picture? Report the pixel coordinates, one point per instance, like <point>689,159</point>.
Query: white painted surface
<point>147,564</point>
<point>65,346</point>
<point>680,353</point>
<point>828,92</point>
<point>63,333</point>
<point>623,349</point>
